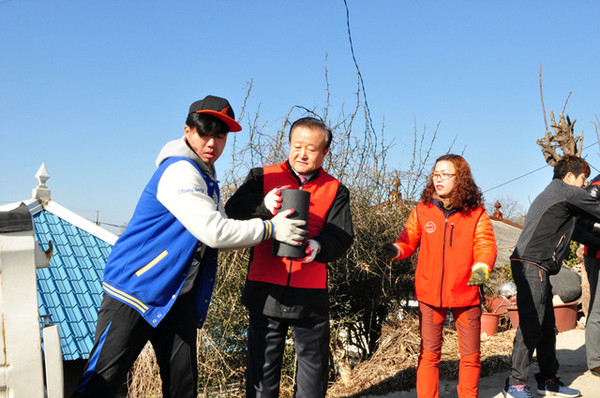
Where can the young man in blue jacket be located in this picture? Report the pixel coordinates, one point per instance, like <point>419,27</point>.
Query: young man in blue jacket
<point>160,274</point>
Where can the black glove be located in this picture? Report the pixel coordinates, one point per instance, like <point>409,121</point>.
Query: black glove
<point>390,250</point>
<point>589,225</point>
<point>593,190</point>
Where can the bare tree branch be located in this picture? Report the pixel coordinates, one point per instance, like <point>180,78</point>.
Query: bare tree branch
<point>542,97</point>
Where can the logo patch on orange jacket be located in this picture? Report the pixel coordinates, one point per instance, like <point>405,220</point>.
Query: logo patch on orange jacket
<point>429,227</point>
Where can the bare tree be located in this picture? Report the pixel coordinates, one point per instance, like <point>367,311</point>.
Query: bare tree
<point>563,138</point>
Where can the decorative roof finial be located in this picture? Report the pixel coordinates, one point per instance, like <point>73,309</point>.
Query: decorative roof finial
<point>42,176</point>
<point>41,192</point>
<point>497,213</point>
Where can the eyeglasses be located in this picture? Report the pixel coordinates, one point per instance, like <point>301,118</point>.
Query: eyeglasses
<point>442,176</point>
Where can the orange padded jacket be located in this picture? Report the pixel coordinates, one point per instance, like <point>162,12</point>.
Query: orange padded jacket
<point>450,243</point>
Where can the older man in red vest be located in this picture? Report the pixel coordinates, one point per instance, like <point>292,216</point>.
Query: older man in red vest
<point>282,292</point>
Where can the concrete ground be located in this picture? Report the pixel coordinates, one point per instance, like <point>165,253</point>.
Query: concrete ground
<point>570,347</point>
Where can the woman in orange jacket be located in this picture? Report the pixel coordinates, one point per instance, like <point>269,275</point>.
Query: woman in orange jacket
<point>457,252</point>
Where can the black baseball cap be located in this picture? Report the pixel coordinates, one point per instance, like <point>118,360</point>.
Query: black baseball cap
<point>219,108</point>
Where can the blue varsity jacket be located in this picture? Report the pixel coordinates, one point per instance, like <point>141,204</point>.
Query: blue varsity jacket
<point>151,260</point>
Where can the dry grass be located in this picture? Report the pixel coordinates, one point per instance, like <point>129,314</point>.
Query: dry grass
<point>144,377</point>
<point>393,366</point>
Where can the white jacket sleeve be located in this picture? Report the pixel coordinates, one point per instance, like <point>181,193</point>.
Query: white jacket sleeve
<point>183,191</point>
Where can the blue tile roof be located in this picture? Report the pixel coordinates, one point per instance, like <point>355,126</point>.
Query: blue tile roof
<point>70,289</point>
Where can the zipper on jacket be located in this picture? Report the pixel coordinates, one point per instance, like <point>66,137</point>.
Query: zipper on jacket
<point>557,247</point>
<point>300,187</point>
<point>443,259</point>
<point>290,273</point>
<point>451,232</point>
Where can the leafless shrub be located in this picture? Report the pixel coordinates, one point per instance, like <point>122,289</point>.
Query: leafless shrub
<point>144,378</point>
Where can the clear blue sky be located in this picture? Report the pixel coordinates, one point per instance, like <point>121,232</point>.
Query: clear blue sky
<point>94,88</point>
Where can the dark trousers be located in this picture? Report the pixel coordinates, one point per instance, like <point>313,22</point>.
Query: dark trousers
<point>536,324</point>
<point>266,343</point>
<point>122,333</point>
<point>592,326</point>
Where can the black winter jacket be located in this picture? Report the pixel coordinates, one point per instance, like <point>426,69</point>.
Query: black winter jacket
<point>550,224</point>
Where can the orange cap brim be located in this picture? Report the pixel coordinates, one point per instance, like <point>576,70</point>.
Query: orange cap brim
<point>232,124</point>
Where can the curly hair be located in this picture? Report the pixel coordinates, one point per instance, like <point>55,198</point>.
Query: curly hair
<point>466,195</point>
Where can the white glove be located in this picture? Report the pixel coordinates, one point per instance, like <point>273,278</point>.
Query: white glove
<point>272,200</point>
<point>285,230</point>
<point>312,249</point>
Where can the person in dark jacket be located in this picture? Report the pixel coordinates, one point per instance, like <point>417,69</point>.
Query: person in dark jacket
<point>159,277</point>
<point>281,293</point>
<point>591,259</point>
<point>540,250</point>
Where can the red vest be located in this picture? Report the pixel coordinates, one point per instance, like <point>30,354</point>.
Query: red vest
<point>265,267</point>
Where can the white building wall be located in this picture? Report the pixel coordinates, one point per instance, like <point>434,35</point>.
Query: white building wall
<point>21,373</point>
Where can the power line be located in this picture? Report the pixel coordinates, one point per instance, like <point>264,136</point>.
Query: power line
<point>516,178</point>
<point>362,83</point>
<point>538,169</point>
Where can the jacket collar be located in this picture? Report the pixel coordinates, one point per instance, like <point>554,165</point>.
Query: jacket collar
<point>318,172</point>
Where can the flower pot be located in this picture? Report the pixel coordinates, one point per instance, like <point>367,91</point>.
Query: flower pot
<point>489,323</point>
<point>565,315</point>
<point>497,305</point>
<point>513,315</point>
